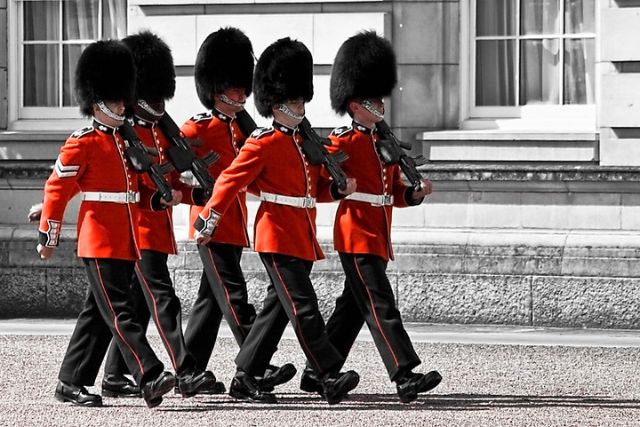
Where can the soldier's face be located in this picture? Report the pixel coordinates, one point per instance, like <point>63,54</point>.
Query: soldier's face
<point>289,113</point>
<point>115,107</point>
<point>231,101</point>
<point>150,110</point>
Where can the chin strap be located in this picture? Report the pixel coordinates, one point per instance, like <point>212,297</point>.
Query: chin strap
<point>224,98</point>
<point>146,107</point>
<point>108,112</point>
<point>287,111</point>
<point>370,108</point>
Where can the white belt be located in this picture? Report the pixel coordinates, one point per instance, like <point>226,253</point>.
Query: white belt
<point>101,196</point>
<point>373,199</point>
<point>296,202</point>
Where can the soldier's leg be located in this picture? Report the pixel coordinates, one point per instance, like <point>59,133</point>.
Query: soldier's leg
<point>115,383</point>
<point>109,282</point>
<point>165,309</point>
<point>342,328</point>
<point>290,277</point>
<point>373,292</point>
<point>221,263</point>
<point>204,323</point>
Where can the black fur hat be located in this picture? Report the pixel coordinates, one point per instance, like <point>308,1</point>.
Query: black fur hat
<point>284,71</point>
<point>105,72</point>
<point>225,60</point>
<point>365,67</point>
<point>155,76</point>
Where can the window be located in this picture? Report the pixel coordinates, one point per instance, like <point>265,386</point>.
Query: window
<point>50,36</point>
<point>531,54</point>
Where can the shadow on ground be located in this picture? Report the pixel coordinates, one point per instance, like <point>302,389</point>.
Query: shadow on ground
<point>429,402</point>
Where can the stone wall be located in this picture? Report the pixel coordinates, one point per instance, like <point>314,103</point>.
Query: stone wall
<point>522,245</point>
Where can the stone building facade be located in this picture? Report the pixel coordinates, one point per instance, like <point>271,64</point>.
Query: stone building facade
<point>526,110</point>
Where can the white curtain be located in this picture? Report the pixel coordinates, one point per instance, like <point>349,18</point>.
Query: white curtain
<point>79,26</point>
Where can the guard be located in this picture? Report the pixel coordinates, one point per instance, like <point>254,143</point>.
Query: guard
<point>285,223</point>
<point>364,72</point>
<point>224,76</point>
<point>93,161</point>
<point>152,288</point>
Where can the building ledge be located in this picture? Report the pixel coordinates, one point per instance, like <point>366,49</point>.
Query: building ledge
<point>492,146</point>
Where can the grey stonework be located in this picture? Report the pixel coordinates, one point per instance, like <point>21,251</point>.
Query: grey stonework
<point>560,286</point>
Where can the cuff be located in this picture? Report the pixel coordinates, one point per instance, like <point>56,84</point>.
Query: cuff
<point>50,237</point>
<point>206,225</point>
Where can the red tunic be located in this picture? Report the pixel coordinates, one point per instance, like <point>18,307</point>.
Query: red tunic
<point>92,160</point>
<point>220,133</point>
<point>359,227</point>
<point>272,160</point>
<point>156,227</point>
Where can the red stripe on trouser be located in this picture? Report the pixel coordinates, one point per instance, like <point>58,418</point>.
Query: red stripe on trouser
<point>157,318</point>
<point>373,311</point>
<point>226,292</point>
<point>115,324</point>
<point>295,313</point>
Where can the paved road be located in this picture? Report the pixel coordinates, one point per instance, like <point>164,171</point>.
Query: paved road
<point>493,376</point>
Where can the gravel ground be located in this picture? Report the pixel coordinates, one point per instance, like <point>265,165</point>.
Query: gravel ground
<point>484,385</point>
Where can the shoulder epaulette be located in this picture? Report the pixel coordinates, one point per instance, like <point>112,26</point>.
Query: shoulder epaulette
<point>342,130</point>
<point>201,116</point>
<point>260,132</point>
<point>82,132</point>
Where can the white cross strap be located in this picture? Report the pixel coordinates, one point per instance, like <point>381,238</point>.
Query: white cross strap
<point>101,196</point>
<point>296,202</point>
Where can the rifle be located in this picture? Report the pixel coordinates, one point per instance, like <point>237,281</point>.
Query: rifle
<point>314,147</point>
<point>245,123</point>
<point>392,151</point>
<point>182,158</point>
<point>138,155</point>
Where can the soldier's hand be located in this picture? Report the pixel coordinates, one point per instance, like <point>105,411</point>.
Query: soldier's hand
<point>426,188</point>
<point>45,251</point>
<point>35,212</point>
<point>351,187</point>
<point>176,198</point>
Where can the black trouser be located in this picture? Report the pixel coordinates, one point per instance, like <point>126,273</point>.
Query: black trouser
<point>108,313</point>
<point>368,297</point>
<point>155,296</point>
<point>290,296</point>
<point>223,292</point>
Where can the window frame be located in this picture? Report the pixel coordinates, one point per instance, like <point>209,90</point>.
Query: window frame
<point>32,118</point>
<point>547,116</point>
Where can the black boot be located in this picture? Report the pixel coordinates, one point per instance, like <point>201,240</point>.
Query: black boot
<point>310,382</point>
<point>337,385</point>
<point>193,381</point>
<point>410,384</point>
<point>245,387</point>
<point>153,390</point>
<point>119,386</point>
<point>274,376</point>
<point>213,386</point>
<point>76,394</point>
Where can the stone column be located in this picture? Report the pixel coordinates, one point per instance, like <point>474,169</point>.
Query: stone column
<point>619,89</point>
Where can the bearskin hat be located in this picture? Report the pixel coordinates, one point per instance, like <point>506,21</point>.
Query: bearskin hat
<point>105,72</point>
<point>225,60</point>
<point>155,75</point>
<point>365,67</point>
<point>284,71</point>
